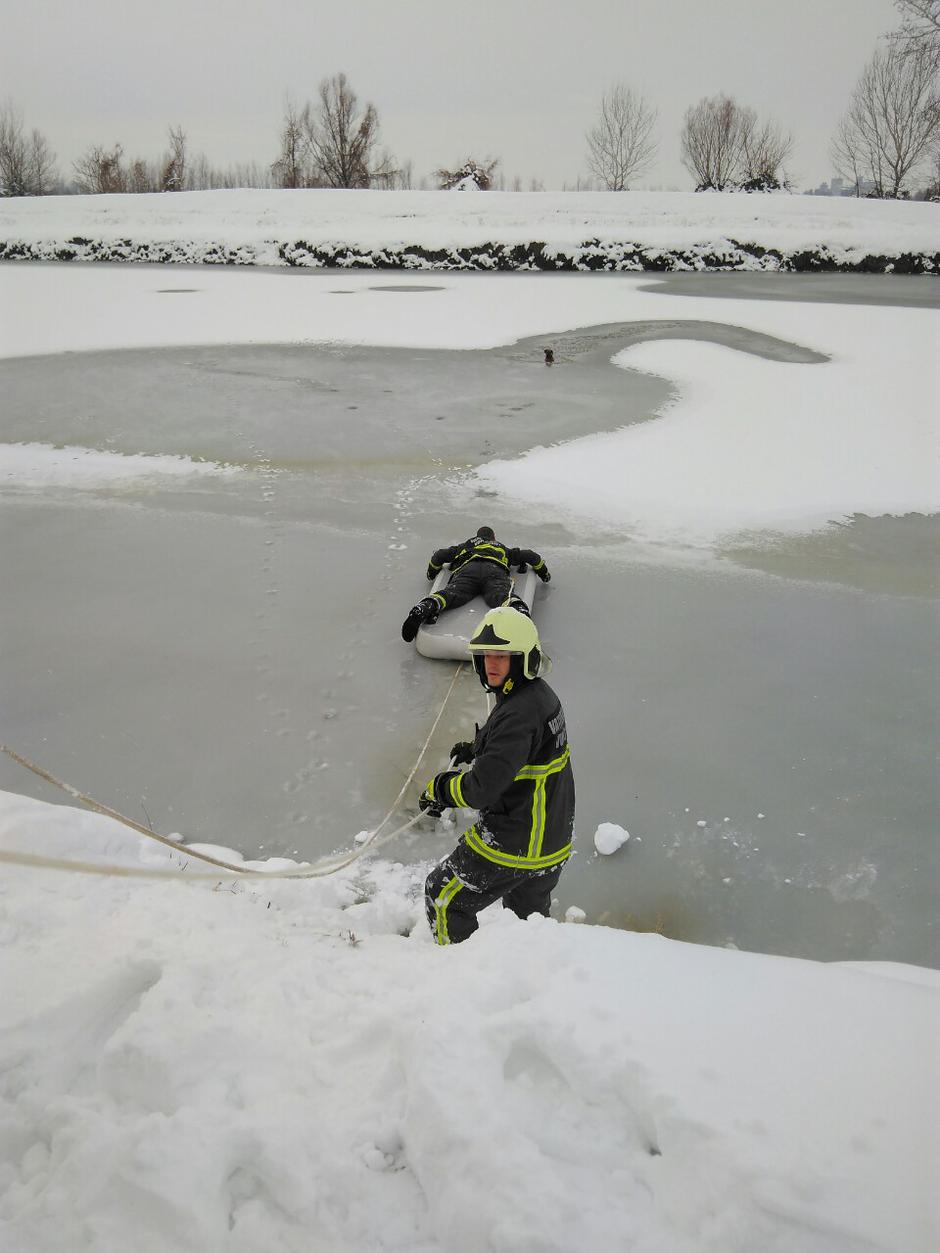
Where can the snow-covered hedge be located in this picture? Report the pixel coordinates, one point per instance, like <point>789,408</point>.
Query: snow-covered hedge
<point>592,255</point>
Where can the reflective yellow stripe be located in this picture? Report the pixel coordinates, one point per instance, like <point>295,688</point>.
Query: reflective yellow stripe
<point>456,791</point>
<point>539,565</point>
<point>551,767</point>
<point>448,892</point>
<point>496,553</point>
<point>474,840</point>
<point>440,599</point>
<point>537,831</point>
<point>540,776</point>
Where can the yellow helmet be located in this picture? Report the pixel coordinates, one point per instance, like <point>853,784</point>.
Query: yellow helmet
<point>506,630</point>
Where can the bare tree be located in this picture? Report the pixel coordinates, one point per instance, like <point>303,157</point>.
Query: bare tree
<point>893,119</point>
<point>200,175</point>
<point>385,174</point>
<point>726,145</point>
<point>101,171</point>
<point>290,168</point>
<point>712,138</point>
<point>27,164</point>
<point>140,177</point>
<point>475,175</point>
<point>920,26</point>
<point>620,145</point>
<point>250,174</point>
<point>42,168</point>
<point>847,153</point>
<point>932,190</point>
<point>341,138</point>
<point>405,179</point>
<point>765,149</point>
<point>173,171</point>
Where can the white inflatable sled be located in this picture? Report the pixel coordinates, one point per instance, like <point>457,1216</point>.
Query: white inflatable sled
<point>449,638</point>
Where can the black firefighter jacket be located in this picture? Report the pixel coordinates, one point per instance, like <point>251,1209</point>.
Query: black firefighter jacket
<point>521,781</point>
<point>477,549</point>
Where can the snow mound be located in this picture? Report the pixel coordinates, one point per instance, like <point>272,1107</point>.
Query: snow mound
<point>295,1066</point>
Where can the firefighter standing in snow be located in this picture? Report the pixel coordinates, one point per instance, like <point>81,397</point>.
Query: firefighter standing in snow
<point>480,567</point>
<point>520,780</point>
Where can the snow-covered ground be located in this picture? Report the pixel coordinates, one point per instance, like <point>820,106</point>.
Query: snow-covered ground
<point>254,224</point>
<point>208,1066</point>
<point>195,1067</point>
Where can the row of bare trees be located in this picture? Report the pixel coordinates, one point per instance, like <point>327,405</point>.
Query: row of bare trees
<point>724,144</point>
<point>890,132</point>
<point>104,171</point>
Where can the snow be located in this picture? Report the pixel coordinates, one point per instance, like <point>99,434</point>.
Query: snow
<point>754,444</point>
<point>241,1065</point>
<point>609,837</point>
<point>289,1065</point>
<point>31,466</point>
<point>256,221</point>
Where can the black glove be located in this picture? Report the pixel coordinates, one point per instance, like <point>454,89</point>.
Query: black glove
<point>433,572</point>
<point>543,574</point>
<point>522,567</point>
<point>429,807</point>
<point>462,753</point>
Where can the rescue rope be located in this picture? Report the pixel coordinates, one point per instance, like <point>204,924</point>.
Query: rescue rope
<point>326,866</point>
<point>225,870</point>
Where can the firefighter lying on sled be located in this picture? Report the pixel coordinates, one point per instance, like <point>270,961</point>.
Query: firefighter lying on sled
<point>479,567</point>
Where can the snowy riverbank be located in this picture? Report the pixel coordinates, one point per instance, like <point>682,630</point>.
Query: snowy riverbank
<point>196,1068</point>
<point>629,231</point>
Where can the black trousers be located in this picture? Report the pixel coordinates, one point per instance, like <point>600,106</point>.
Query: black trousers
<point>464,883</point>
<point>476,578</point>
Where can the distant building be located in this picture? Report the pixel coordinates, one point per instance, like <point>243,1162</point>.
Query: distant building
<point>839,187</point>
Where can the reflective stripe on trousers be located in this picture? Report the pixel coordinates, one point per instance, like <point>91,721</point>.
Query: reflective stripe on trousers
<point>447,894</point>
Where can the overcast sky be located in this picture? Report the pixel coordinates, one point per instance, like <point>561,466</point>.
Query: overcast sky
<point>516,79</point>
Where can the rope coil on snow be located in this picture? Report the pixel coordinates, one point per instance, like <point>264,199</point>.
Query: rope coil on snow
<point>326,866</point>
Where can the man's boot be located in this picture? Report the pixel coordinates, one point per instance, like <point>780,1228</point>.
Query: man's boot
<point>425,610</point>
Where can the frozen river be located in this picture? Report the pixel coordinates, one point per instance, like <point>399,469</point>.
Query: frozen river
<point>221,656</point>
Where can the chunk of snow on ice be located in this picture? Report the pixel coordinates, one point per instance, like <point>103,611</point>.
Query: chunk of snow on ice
<point>609,837</point>
<point>574,914</point>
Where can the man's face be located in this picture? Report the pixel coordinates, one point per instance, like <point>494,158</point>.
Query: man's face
<point>497,668</point>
